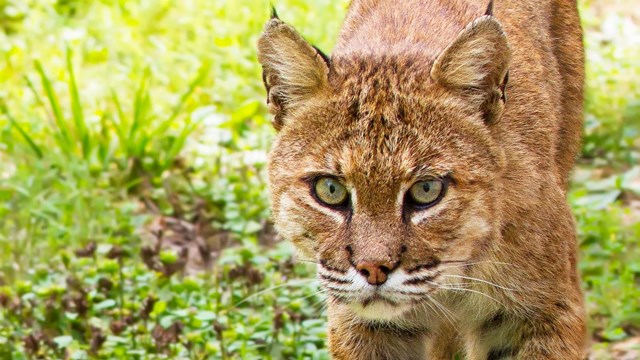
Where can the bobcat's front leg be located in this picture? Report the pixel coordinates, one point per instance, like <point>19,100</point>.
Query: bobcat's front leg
<point>555,336</point>
<point>351,338</point>
<point>558,340</point>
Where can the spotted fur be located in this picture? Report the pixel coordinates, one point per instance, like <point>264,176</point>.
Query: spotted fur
<point>414,90</point>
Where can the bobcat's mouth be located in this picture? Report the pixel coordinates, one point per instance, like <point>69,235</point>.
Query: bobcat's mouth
<point>377,297</point>
<point>388,301</point>
<point>378,307</point>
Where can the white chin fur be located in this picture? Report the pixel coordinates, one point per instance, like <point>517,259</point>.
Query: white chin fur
<point>379,310</point>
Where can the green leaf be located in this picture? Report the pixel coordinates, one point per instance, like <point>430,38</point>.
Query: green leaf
<point>107,304</point>
<point>206,316</point>
<point>614,334</point>
<point>63,341</point>
<point>168,256</point>
<point>159,307</point>
<point>167,320</point>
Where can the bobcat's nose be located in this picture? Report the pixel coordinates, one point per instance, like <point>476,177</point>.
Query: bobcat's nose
<point>375,272</point>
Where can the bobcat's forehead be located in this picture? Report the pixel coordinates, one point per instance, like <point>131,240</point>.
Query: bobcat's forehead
<point>370,133</point>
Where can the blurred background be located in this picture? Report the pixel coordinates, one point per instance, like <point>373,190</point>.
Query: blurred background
<point>133,206</point>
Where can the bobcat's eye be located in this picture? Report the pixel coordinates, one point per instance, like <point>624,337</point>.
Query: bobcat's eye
<point>329,191</point>
<point>427,193</point>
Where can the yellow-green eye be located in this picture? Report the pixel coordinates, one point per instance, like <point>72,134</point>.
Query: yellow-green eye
<point>426,193</point>
<point>330,191</point>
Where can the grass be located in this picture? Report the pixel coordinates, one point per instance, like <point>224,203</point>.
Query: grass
<point>128,127</point>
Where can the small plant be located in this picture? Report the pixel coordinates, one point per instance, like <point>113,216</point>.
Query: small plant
<point>103,303</point>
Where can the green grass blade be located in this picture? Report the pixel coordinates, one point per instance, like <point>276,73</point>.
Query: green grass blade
<point>121,124</point>
<point>104,142</point>
<point>178,143</point>
<point>65,133</point>
<point>82,132</point>
<point>202,74</point>
<point>57,134</point>
<point>141,107</point>
<point>37,96</point>
<point>24,134</point>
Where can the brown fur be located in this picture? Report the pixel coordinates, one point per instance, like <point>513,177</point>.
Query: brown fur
<point>416,90</point>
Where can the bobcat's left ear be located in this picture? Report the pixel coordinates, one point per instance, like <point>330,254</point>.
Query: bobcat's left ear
<point>476,65</point>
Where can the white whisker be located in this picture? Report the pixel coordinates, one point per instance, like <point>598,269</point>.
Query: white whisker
<point>446,312</point>
<point>437,313</point>
<point>482,281</point>
<point>469,290</point>
<point>307,261</point>
<point>475,263</point>
<point>297,282</point>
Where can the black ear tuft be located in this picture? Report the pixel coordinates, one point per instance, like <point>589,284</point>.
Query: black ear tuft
<point>323,56</point>
<point>503,87</point>
<point>489,11</point>
<point>274,13</point>
<point>267,86</point>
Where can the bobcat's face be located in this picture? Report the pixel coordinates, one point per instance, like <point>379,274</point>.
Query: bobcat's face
<point>380,174</point>
<point>388,195</point>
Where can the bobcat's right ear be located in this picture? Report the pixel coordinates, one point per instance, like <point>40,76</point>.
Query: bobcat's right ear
<point>294,72</point>
<point>476,65</point>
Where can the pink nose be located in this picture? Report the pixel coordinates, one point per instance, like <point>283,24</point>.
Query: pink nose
<point>375,272</point>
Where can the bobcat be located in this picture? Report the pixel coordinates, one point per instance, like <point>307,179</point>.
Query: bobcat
<point>424,167</point>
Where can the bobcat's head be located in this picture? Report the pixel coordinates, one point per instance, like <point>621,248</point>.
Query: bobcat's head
<point>384,170</point>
